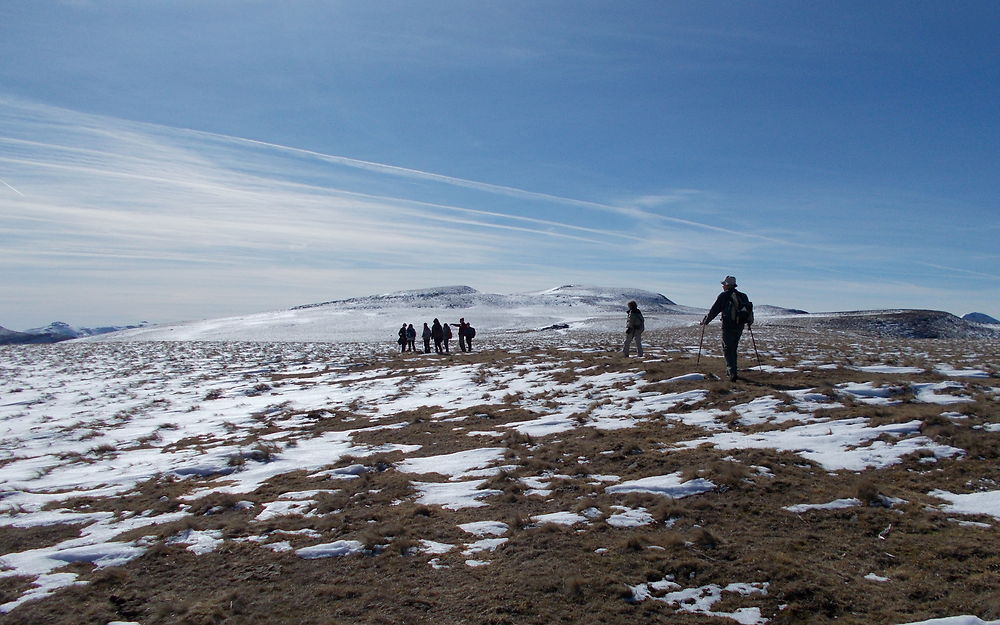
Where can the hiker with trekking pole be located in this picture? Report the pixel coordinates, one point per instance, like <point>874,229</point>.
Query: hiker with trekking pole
<point>737,312</point>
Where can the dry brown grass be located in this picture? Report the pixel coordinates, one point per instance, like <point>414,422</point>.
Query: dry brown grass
<point>14,539</point>
<point>815,561</point>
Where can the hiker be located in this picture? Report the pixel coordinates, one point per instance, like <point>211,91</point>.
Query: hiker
<point>411,338</point>
<point>437,333</point>
<point>634,327</point>
<point>470,333</point>
<point>462,330</point>
<point>426,335</point>
<point>446,328</point>
<point>737,313</point>
<point>402,339</point>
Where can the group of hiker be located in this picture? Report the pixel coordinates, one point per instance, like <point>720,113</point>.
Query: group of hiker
<point>438,332</point>
<point>737,313</point>
<point>734,306</point>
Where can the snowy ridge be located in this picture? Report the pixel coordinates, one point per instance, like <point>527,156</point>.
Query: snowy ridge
<point>55,332</point>
<point>976,317</point>
<point>377,317</point>
<point>567,308</point>
<point>917,324</point>
<point>609,298</point>
<point>430,296</point>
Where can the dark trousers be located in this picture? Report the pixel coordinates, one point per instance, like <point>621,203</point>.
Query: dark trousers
<point>730,342</point>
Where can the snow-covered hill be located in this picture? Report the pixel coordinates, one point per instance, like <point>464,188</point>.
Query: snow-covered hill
<point>55,332</point>
<point>448,297</point>
<point>977,317</point>
<point>377,317</point>
<point>10,336</point>
<point>569,308</point>
<point>915,324</point>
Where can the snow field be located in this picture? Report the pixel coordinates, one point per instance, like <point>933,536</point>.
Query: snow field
<point>98,420</point>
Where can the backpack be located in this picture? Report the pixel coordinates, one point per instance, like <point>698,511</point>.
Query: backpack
<point>636,322</point>
<point>470,332</point>
<point>740,309</point>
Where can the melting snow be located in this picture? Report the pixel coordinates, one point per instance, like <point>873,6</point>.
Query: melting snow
<point>838,504</point>
<point>846,444</point>
<point>672,485</point>
<point>335,549</point>
<point>100,421</point>
<point>987,502</point>
<point>701,600</point>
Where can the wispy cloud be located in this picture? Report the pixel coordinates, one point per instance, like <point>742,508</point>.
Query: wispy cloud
<point>121,185</point>
<point>636,210</point>
<point>104,200</point>
<point>160,211</point>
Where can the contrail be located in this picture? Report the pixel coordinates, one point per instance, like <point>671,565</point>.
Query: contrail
<point>627,211</point>
<point>6,184</point>
<point>966,271</point>
<point>636,213</point>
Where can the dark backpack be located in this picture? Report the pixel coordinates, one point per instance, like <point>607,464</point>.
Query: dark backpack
<point>740,308</point>
<point>470,332</point>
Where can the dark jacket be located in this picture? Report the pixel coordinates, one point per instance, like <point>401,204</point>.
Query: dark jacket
<point>722,305</point>
<point>635,322</point>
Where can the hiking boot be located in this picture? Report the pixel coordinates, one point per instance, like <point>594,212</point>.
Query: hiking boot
<point>733,377</point>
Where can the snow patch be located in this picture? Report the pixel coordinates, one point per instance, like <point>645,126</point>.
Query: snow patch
<point>672,485</point>
<point>335,549</point>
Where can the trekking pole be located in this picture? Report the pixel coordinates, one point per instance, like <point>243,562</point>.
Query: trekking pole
<point>759,363</point>
<point>702,340</point>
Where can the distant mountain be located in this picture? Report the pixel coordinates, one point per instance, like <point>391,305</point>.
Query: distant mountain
<point>376,317</point>
<point>55,332</point>
<point>980,318</point>
<point>916,324</point>
<point>31,337</point>
<point>454,297</point>
<point>607,297</point>
<point>568,308</point>
<point>448,296</point>
<point>12,337</point>
<point>767,310</point>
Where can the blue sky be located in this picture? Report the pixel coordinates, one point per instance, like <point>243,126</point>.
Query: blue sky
<point>176,160</point>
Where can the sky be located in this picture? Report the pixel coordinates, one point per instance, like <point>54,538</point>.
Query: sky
<point>167,161</point>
